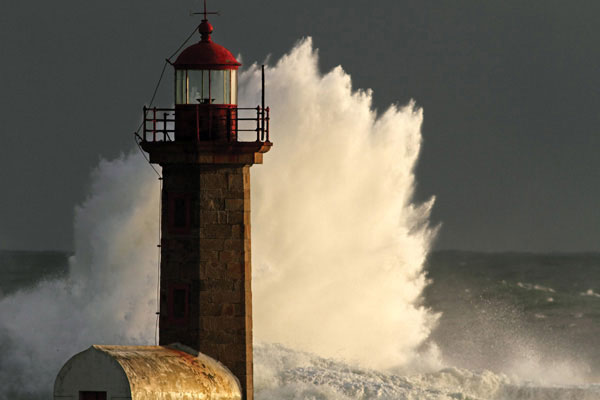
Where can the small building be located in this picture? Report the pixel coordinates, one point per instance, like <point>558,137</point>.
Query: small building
<point>145,372</point>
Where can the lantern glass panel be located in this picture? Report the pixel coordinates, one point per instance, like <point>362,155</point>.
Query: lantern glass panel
<point>233,87</point>
<point>227,87</point>
<point>217,86</point>
<point>205,86</point>
<point>180,86</point>
<point>198,87</point>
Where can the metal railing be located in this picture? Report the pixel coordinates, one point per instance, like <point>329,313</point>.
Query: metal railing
<point>159,123</point>
<point>162,129</point>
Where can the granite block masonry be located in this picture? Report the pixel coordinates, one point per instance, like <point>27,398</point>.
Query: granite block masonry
<point>205,295</point>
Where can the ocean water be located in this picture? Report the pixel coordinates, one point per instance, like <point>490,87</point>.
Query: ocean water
<point>513,326</point>
<point>536,316</point>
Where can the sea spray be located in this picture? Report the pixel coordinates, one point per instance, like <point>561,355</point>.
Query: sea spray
<point>338,246</point>
<point>110,294</point>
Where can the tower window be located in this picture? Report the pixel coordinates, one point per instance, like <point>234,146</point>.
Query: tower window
<point>179,303</point>
<point>179,298</point>
<point>179,212</point>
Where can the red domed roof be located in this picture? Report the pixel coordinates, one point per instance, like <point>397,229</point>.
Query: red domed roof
<point>206,54</point>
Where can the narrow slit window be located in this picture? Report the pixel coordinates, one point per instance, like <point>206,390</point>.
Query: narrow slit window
<point>180,213</point>
<point>179,303</point>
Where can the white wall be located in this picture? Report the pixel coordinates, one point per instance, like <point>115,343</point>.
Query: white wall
<point>91,370</point>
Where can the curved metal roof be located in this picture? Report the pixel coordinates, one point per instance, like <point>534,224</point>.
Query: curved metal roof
<point>206,54</point>
<point>162,372</point>
<point>155,371</point>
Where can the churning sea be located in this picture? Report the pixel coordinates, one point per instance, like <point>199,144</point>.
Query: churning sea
<point>511,326</point>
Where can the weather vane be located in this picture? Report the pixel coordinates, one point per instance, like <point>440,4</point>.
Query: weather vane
<point>205,13</point>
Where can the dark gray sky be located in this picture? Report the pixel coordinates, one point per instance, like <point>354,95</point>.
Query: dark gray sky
<point>510,89</point>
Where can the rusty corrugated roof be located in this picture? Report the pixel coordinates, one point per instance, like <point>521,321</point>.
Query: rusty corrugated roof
<point>170,373</point>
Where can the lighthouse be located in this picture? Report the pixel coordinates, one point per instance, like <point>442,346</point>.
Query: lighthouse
<point>205,145</point>
<point>205,269</point>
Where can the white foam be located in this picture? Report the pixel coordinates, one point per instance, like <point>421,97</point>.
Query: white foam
<point>109,297</point>
<point>282,373</point>
<point>590,293</point>
<point>532,286</point>
<point>338,244</point>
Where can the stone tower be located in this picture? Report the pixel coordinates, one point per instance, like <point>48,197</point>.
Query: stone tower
<point>205,271</point>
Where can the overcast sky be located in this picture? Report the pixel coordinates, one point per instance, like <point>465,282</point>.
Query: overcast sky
<point>510,91</point>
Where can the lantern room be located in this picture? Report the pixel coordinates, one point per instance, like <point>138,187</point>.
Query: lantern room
<point>206,73</point>
<point>206,108</point>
